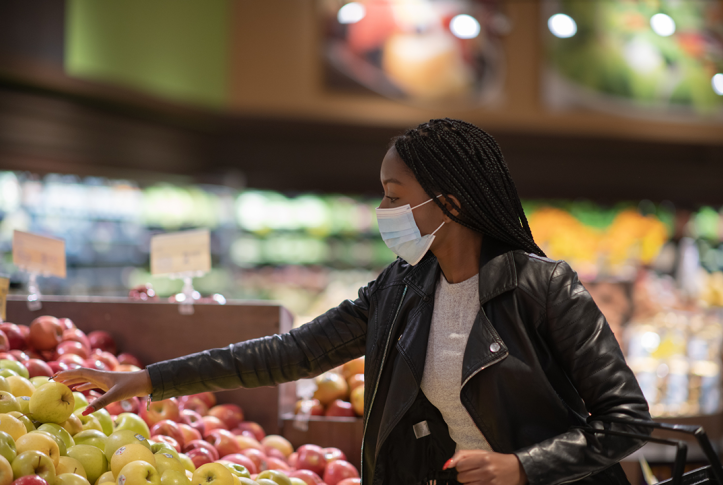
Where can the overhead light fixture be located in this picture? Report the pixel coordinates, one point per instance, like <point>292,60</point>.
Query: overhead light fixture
<point>662,24</point>
<point>717,83</point>
<point>351,13</point>
<point>562,26</point>
<point>464,26</point>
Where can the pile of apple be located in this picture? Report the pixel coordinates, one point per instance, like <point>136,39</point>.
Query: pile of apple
<point>339,392</point>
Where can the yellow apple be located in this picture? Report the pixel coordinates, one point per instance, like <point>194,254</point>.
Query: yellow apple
<point>212,474</point>
<point>165,461</point>
<point>107,477</point>
<point>171,477</point>
<point>20,386</point>
<point>67,464</point>
<point>4,384</point>
<point>236,481</point>
<point>189,475</point>
<point>52,403</point>
<point>297,481</point>
<point>8,402</point>
<point>6,471</point>
<point>71,479</point>
<point>138,472</point>
<point>92,459</point>
<point>72,425</point>
<point>40,442</point>
<point>186,462</point>
<point>33,462</point>
<point>275,476</point>
<point>12,426</point>
<point>128,453</point>
<point>24,402</point>
<point>123,437</point>
<point>29,426</point>
<point>62,449</point>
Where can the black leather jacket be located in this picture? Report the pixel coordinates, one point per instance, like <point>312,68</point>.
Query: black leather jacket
<point>541,367</point>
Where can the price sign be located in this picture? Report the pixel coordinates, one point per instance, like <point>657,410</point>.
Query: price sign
<point>39,254</point>
<point>181,252</point>
<point>4,286</point>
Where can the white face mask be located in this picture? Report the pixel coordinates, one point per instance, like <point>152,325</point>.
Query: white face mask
<point>401,234</point>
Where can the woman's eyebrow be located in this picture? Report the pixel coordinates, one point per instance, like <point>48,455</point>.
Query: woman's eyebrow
<point>391,181</point>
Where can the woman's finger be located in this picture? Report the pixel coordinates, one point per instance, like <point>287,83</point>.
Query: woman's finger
<point>86,387</point>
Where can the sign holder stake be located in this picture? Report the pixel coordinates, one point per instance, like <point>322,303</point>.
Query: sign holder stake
<point>33,293</point>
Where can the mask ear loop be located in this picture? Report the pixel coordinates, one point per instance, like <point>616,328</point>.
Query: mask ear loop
<point>440,227</point>
<point>426,202</point>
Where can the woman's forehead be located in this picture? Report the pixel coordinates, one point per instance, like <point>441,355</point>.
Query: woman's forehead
<point>394,170</point>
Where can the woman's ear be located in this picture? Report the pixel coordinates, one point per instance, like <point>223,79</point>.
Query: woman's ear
<point>451,203</point>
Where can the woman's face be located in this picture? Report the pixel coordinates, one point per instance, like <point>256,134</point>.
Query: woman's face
<point>401,188</point>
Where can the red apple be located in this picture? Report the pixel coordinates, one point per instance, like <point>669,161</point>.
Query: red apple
<point>46,355</point>
<point>194,403</point>
<point>278,442</point>
<point>25,331</point>
<point>257,456</point>
<point>340,408</point>
<point>160,438</point>
<point>293,460</point>
<point>45,333</point>
<point>200,456</point>
<point>338,470</point>
<point>7,356</point>
<point>274,453</point>
<point>56,366</point>
<point>16,337</point>
<point>107,358</point>
<point>330,386</point>
<point>355,381</point>
<point>129,359</point>
<point>30,480</point>
<point>94,363</point>
<point>160,410</point>
<point>78,335</point>
<point>308,476</point>
<point>72,347</point>
<point>37,367</point>
<point>247,442</point>
<point>189,433</point>
<point>102,340</point>
<point>201,444</point>
<point>170,428</point>
<point>19,355</point>
<point>224,442</point>
<point>194,420</point>
<point>230,414</point>
<point>242,460</point>
<point>71,359</point>
<point>66,323</point>
<point>126,368</point>
<point>4,342</point>
<point>274,463</point>
<point>211,423</point>
<point>350,481</point>
<point>255,428</point>
<point>311,457</point>
<point>332,454</point>
<point>208,398</point>
<point>130,405</point>
<point>316,409</point>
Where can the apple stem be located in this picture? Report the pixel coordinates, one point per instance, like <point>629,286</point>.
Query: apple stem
<point>75,470</point>
<point>39,458</point>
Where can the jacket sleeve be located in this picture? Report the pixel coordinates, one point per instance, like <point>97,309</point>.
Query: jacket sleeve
<point>335,337</point>
<point>581,340</point>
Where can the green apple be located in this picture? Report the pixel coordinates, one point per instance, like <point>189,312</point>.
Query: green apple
<point>33,462</point>
<point>80,400</point>
<point>70,479</point>
<point>238,470</point>
<point>213,474</point>
<point>7,373</point>
<point>121,438</point>
<point>187,462</point>
<point>132,422</point>
<point>29,426</point>
<point>12,426</point>
<point>4,384</point>
<point>138,472</point>
<point>275,476</point>
<point>24,402</point>
<point>60,432</point>
<point>164,448</point>
<point>62,449</point>
<point>6,472</point>
<point>92,459</point>
<point>7,447</point>
<point>42,441</point>
<point>128,453</point>
<point>67,464</point>
<point>38,381</point>
<point>297,481</point>
<point>91,437</point>
<point>166,461</point>
<point>15,366</point>
<point>89,421</point>
<point>52,403</point>
<point>106,422</point>
<point>173,477</point>
<point>8,402</point>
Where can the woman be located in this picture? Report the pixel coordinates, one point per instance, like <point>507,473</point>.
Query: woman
<point>477,346</point>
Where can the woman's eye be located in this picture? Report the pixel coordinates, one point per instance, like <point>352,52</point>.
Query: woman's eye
<point>393,199</point>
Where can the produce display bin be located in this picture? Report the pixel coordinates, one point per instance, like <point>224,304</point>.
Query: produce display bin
<point>155,331</point>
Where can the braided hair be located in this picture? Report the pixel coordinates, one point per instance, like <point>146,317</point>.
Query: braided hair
<point>454,157</point>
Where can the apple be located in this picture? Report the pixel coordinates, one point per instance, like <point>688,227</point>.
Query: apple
<point>314,406</point>
<point>338,470</point>
<point>340,408</point>
<point>167,440</point>
<point>311,457</point>
<point>56,366</point>
<point>59,431</point>
<point>168,428</point>
<point>130,405</point>
<point>106,422</point>
<point>357,400</point>
<point>29,426</point>
<point>330,386</point>
<point>255,428</point>
<point>275,476</point>
<point>71,359</point>
<point>350,481</point>
<point>62,449</point>
<point>8,402</point>
<point>172,477</point>
<point>81,402</point>
<point>4,342</point>
<point>204,445</point>
<point>52,403</point>
<point>39,441</point>
<point>24,403</point>
<point>128,453</point>
<point>34,462</point>
<point>73,425</point>
<point>200,456</point>
<point>132,422</point>
<point>230,414</point>
<point>213,474</point>
<point>72,347</point>
<point>293,460</point>
<point>18,355</point>
<point>89,421</point>
<point>15,366</point>
<point>7,447</point>
<point>93,460</point>
<point>257,456</point>
<point>70,479</point>
<point>127,368</point>
<point>355,381</point>
<point>237,470</point>
<point>189,434</point>
<point>160,410</point>
<point>91,437</point>
<point>123,437</point>
<point>224,442</point>
<point>20,386</point>
<point>194,420</point>
<point>138,472</point>
<point>7,356</point>
<point>352,367</point>
<point>307,476</point>
<point>66,464</point>
<point>193,403</point>
<point>280,443</point>
<point>274,463</point>
<point>210,423</point>
<point>46,333</point>
<point>77,335</point>
<point>161,447</point>
<point>102,340</point>
<point>129,359</point>
<point>107,477</point>
<point>166,461</point>
<point>7,373</point>
<point>66,323</point>
<point>12,426</point>
<point>274,453</point>
<point>15,336</point>
<point>243,460</point>
<point>187,463</point>
<point>37,367</point>
<point>107,358</point>
<point>247,442</point>
<point>30,480</point>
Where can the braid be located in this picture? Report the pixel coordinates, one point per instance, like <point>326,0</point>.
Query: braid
<point>454,157</point>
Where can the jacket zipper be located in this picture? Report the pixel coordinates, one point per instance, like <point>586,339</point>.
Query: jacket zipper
<point>376,385</point>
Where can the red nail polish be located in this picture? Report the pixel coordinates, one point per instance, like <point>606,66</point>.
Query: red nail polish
<point>88,410</point>
<point>447,464</point>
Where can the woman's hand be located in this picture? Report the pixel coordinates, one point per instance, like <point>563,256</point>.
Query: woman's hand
<point>478,467</point>
<point>117,385</point>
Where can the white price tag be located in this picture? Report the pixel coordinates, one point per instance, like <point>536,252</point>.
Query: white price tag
<point>181,252</point>
<point>39,254</point>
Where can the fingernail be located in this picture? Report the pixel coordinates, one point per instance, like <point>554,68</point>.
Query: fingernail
<point>88,410</point>
<point>447,464</point>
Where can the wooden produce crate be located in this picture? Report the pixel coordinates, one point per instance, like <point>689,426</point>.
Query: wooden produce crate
<point>155,331</point>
